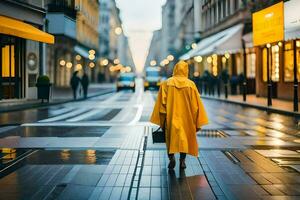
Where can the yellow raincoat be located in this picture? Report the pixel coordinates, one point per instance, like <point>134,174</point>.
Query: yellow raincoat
<point>178,102</point>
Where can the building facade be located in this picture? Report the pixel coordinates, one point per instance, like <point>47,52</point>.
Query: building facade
<point>114,48</point>
<point>71,21</point>
<point>22,53</point>
<point>155,54</point>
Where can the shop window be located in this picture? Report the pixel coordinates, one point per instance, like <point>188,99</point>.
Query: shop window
<point>264,65</point>
<point>8,61</point>
<point>275,63</point>
<point>251,63</point>
<point>289,62</point>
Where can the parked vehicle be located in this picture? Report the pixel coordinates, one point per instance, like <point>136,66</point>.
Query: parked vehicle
<point>126,81</point>
<point>153,78</point>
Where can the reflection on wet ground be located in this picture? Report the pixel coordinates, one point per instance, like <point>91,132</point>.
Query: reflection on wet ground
<point>79,157</point>
<point>56,131</point>
<point>50,174</point>
<point>244,153</point>
<point>31,115</point>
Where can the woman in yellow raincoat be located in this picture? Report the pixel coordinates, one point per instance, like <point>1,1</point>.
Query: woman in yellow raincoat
<point>180,112</point>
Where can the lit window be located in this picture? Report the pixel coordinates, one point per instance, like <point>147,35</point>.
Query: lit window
<point>251,63</point>
<point>289,62</point>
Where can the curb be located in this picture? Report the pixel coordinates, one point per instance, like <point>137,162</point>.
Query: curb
<point>41,105</point>
<point>265,108</point>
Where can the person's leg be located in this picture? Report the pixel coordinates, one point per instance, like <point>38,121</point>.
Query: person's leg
<point>182,156</point>
<point>182,160</point>
<point>172,162</point>
<point>74,93</point>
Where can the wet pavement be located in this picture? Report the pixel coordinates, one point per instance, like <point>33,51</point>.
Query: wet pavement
<point>102,148</point>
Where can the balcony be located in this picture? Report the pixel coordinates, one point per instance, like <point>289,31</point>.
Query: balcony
<point>65,7</point>
<point>61,24</point>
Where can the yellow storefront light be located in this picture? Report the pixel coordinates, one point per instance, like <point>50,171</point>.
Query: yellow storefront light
<point>78,67</point>
<point>69,65</point>
<point>62,62</point>
<point>298,43</point>
<point>104,62</point>
<point>224,60</point>
<point>276,48</point>
<point>268,45</point>
<point>170,57</point>
<point>280,44</point>
<point>78,57</point>
<point>198,59</point>
<point>92,65</point>
<point>116,61</point>
<point>153,63</point>
<point>209,59</point>
<point>227,55</point>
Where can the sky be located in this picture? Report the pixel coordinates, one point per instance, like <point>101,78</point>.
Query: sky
<point>140,18</point>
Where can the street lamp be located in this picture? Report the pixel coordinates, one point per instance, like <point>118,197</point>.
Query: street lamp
<point>116,61</point>
<point>268,76</point>
<point>92,65</point>
<point>91,56</point>
<point>170,57</point>
<point>78,57</point>
<point>153,63</point>
<point>194,45</point>
<point>198,59</point>
<point>92,51</point>
<point>104,62</point>
<point>69,65</point>
<point>62,62</point>
<point>118,31</point>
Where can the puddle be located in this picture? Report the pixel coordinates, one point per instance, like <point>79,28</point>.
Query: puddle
<point>81,157</point>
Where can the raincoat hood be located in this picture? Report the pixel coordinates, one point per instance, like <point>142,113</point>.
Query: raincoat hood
<point>181,69</point>
<point>180,76</point>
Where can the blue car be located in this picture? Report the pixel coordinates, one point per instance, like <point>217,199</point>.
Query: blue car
<point>126,81</point>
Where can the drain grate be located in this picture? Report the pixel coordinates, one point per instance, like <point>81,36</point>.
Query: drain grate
<point>211,133</point>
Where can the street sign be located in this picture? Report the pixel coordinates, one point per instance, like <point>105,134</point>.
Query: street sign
<point>268,25</point>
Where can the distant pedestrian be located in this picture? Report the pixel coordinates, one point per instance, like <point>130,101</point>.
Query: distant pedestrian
<point>75,83</point>
<point>85,84</point>
<point>180,113</point>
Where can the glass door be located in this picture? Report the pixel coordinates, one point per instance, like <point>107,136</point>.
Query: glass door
<point>9,72</point>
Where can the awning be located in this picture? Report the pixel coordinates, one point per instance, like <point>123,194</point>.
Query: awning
<point>82,51</point>
<point>292,34</point>
<point>291,20</point>
<point>20,29</point>
<point>229,40</point>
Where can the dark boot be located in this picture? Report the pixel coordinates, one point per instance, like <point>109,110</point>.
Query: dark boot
<point>172,162</point>
<point>182,164</point>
